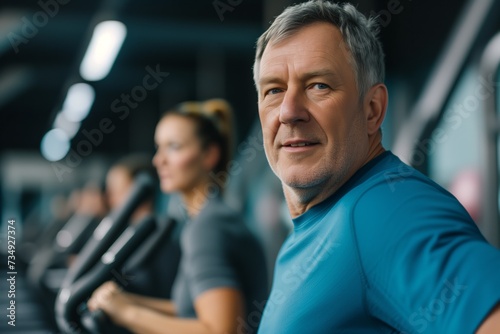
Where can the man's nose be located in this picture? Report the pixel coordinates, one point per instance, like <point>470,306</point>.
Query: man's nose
<point>293,107</point>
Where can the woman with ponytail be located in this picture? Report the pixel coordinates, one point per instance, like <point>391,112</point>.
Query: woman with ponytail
<point>221,283</point>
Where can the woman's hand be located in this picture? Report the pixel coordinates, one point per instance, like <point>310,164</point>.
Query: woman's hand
<point>110,298</point>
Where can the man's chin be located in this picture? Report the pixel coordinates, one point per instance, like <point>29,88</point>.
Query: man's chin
<point>301,182</point>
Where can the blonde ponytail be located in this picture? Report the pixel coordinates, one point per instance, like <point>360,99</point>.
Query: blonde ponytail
<point>220,111</point>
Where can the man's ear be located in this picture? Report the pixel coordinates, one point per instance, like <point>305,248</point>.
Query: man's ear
<point>212,156</point>
<point>375,106</point>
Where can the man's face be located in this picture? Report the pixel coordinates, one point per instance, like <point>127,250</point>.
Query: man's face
<point>314,126</point>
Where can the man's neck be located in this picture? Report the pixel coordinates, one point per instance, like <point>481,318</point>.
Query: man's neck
<point>301,200</point>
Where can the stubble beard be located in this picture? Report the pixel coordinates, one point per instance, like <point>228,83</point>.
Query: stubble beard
<point>318,181</point>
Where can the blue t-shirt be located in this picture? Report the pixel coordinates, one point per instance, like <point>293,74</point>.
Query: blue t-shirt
<point>389,252</point>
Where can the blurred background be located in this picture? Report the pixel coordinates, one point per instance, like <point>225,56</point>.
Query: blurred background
<point>83,83</point>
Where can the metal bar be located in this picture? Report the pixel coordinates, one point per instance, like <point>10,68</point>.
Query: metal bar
<point>489,66</point>
<point>429,107</point>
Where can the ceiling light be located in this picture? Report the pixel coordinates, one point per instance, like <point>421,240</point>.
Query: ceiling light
<point>104,46</point>
<point>69,127</point>
<point>78,103</point>
<point>55,145</point>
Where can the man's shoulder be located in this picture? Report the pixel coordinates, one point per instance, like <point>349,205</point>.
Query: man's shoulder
<point>383,187</point>
<point>393,178</point>
<point>400,198</point>
<point>392,189</point>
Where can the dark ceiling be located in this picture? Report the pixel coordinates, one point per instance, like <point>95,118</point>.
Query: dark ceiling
<point>42,44</point>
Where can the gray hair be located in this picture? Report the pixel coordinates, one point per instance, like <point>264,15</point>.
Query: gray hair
<point>360,36</point>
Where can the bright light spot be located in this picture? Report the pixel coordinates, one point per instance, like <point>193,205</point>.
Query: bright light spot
<point>78,102</point>
<point>61,122</point>
<point>64,238</point>
<point>104,46</point>
<point>55,145</point>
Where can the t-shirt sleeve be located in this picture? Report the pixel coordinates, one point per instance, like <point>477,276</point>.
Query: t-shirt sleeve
<point>426,266</point>
<point>208,258</point>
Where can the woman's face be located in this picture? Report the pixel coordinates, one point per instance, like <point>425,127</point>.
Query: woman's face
<point>179,158</point>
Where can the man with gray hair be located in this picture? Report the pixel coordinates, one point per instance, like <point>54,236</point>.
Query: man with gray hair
<point>377,247</point>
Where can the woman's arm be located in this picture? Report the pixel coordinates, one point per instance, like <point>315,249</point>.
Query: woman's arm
<point>110,288</point>
<point>492,323</point>
<point>160,305</point>
<point>219,310</point>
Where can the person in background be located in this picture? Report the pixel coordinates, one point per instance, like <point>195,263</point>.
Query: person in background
<point>119,182</point>
<point>377,247</point>
<point>221,283</point>
<point>155,275</point>
<point>61,241</point>
<point>91,207</point>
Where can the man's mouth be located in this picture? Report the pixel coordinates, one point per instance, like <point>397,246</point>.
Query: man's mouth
<point>299,144</point>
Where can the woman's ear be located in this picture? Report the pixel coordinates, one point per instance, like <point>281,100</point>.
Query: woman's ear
<point>375,106</point>
<point>212,157</point>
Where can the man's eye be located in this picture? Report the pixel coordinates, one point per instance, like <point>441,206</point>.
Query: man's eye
<point>273,91</point>
<point>321,86</point>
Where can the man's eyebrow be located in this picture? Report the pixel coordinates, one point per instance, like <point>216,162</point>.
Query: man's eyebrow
<point>269,80</point>
<point>306,76</point>
<point>319,73</point>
